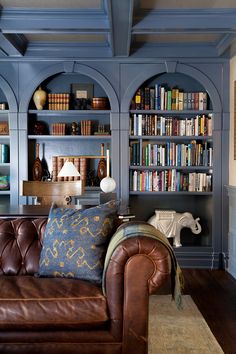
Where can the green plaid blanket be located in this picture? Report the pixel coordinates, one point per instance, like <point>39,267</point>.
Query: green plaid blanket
<point>139,228</point>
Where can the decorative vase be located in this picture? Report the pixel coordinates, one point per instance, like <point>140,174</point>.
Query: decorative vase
<point>101,171</point>
<point>39,98</point>
<point>37,171</point>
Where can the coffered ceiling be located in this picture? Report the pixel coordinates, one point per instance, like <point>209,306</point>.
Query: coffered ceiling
<point>117,28</point>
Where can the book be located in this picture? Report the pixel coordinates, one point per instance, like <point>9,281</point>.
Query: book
<point>181,100</point>
<point>54,169</point>
<point>4,128</point>
<point>5,153</point>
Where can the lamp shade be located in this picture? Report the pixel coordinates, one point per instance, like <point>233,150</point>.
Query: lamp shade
<point>68,170</point>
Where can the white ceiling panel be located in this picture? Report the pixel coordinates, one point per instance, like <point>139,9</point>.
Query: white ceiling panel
<point>187,4</point>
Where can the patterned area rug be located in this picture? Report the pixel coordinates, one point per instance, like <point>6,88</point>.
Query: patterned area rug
<point>179,331</point>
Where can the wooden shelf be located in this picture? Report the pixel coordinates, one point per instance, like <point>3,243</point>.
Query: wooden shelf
<point>169,193</point>
<point>171,137</point>
<point>177,112</point>
<point>70,137</point>
<point>7,192</point>
<point>71,112</point>
<point>160,168</point>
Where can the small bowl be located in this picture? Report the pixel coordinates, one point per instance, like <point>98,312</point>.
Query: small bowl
<point>100,103</point>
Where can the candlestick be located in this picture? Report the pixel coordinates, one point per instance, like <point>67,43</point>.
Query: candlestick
<point>108,163</point>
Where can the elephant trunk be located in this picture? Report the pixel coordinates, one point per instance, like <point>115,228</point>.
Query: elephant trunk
<point>196,227</point>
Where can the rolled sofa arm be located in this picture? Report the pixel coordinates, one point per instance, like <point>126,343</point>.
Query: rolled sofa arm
<point>138,266</point>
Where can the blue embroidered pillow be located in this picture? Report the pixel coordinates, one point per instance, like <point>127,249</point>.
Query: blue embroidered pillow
<point>75,242</point>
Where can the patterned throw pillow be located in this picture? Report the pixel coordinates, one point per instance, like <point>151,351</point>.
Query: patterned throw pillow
<point>75,241</point>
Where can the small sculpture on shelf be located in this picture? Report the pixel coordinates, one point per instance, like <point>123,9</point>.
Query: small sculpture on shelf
<point>101,130</point>
<point>92,179</point>
<point>82,103</point>
<point>74,128</point>
<point>170,223</point>
<point>3,106</point>
<point>40,128</point>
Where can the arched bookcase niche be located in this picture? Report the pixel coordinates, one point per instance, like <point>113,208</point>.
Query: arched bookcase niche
<point>193,74</point>
<point>11,140</point>
<point>69,68</point>
<point>60,78</point>
<point>203,203</point>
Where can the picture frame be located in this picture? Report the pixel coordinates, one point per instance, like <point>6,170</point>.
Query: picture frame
<point>83,90</point>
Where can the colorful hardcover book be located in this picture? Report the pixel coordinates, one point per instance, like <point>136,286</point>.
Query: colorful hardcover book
<point>181,100</point>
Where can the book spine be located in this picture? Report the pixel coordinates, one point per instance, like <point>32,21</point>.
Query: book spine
<point>83,169</point>
<point>60,163</point>
<point>5,153</point>
<point>54,169</point>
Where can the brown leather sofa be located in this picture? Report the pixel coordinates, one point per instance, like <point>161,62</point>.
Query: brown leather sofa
<point>57,315</point>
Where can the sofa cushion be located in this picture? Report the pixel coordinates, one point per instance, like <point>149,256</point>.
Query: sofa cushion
<point>27,302</point>
<point>75,242</point>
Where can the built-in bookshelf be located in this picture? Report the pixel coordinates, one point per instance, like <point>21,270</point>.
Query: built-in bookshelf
<point>4,156</point>
<point>171,156</point>
<point>170,152</point>
<point>68,126</point>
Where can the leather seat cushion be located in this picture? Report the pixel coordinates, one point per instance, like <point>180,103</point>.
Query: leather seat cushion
<point>28,302</point>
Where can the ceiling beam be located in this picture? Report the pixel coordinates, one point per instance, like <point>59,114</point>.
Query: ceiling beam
<point>13,45</point>
<point>225,43</point>
<point>120,14</point>
<point>29,21</point>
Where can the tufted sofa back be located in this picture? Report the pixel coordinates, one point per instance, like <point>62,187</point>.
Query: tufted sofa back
<point>20,245</point>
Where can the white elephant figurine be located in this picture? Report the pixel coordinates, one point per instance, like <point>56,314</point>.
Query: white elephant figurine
<point>170,223</point>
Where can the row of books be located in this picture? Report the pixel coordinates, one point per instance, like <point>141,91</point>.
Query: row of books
<point>59,101</point>
<point>162,98</point>
<point>171,154</point>
<point>153,124</point>
<point>79,162</point>
<point>4,153</point>
<point>58,129</point>
<point>86,127</point>
<point>170,181</point>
